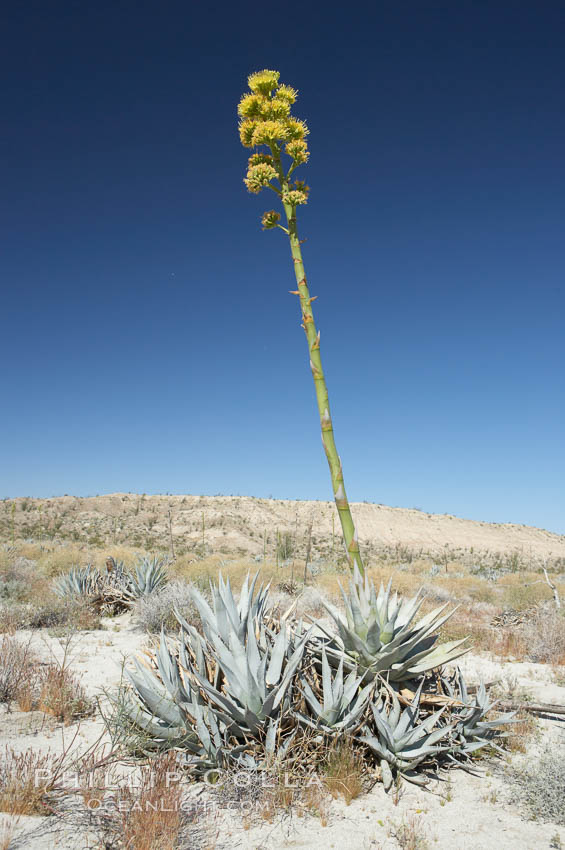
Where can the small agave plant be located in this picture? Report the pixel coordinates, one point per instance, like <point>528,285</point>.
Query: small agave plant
<point>401,742</point>
<point>79,581</point>
<point>379,634</point>
<point>472,730</point>
<point>343,701</point>
<point>150,575</point>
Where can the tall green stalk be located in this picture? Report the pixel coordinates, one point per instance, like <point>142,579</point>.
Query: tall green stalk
<point>266,121</point>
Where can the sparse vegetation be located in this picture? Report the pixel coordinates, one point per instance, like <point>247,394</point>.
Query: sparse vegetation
<point>539,783</point>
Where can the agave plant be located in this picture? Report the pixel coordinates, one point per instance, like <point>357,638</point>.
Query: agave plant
<point>170,711</point>
<point>472,730</point>
<point>257,673</point>
<point>278,143</point>
<point>343,702</point>
<point>79,581</point>
<point>221,695</point>
<point>150,575</point>
<point>401,742</point>
<point>380,635</point>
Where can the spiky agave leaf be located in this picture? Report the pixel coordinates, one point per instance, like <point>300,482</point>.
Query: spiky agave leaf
<point>79,581</point>
<point>343,701</point>
<point>401,742</point>
<point>379,634</point>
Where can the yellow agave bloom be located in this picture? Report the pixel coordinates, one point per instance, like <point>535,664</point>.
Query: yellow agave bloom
<point>263,82</point>
<point>266,120</point>
<point>294,197</point>
<point>268,132</point>
<point>259,176</point>
<point>246,130</point>
<point>298,150</point>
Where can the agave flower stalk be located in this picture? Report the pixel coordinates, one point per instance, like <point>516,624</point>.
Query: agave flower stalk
<point>267,122</point>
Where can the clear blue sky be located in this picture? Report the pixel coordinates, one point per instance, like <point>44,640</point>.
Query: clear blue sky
<point>149,340</point>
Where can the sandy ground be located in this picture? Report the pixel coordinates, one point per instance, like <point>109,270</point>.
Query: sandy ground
<point>480,814</point>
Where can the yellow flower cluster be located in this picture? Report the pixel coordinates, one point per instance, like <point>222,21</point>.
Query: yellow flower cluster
<point>266,119</point>
<point>294,197</point>
<point>259,176</point>
<point>269,132</point>
<point>258,158</point>
<point>298,150</point>
<point>263,82</point>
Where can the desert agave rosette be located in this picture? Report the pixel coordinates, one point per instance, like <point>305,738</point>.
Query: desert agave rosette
<point>472,730</point>
<point>268,127</point>
<point>379,634</point>
<point>226,614</point>
<point>401,742</point>
<point>343,701</point>
<point>150,575</point>
<point>79,581</point>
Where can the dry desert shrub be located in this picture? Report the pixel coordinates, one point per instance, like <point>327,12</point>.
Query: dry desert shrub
<point>62,695</point>
<point>18,666</point>
<point>50,613</point>
<point>13,616</point>
<point>544,636</point>
<point>158,612</point>
<point>538,783</point>
<point>50,687</point>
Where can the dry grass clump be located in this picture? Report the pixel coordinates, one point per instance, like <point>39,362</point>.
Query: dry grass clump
<point>520,732</point>
<point>271,795</point>
<point>17,665</point>
<point>25,781</point>
<point>344,771</point>
<point>409,834</point>
<point>59,559</point>
<point>152,815</point>
<point>62,695</point>
<point>7,832</point>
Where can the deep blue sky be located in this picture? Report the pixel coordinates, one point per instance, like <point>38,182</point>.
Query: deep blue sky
<point>149,340</point>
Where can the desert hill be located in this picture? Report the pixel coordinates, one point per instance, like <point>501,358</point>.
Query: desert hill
<point>243,525</point>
